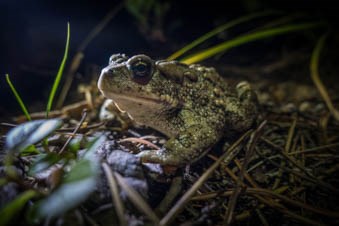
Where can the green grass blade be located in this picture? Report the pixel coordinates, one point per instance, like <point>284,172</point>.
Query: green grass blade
<point>216,31</point>
<point>243,39</point>
<point>59,74</point>
<point>314,68</point>
<point>11,210</point>
<point>18,98</point>
<point>279,22</point>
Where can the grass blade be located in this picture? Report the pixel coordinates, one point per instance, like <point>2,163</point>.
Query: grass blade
<point>18,98</point>
<point>243,39</point>
<point>12,209</point>
<point>314,67</point>
<point>59,74</point>
<point>216,31</point>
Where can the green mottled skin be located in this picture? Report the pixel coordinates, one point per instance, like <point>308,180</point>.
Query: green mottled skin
<point>192,105</point>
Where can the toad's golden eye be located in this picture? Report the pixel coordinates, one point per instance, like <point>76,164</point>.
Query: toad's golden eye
<point>141,68</point>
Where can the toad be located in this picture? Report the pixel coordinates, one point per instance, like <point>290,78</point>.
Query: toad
<point>191,104</point>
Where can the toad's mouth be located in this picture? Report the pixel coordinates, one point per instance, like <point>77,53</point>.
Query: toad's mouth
<point>129,99</point>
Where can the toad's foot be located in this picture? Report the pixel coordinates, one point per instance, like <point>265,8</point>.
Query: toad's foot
<point>190,145</point>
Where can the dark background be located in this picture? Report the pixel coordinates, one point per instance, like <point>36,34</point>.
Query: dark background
<point>33,37</point>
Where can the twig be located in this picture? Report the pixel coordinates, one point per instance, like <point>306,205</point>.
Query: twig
<point>88,127</point>
<point>137,199</point>
<point>290,135</point>
<point>249,153</point>
<point>286,150</point>
<point>272,194</point>
<point>307,176</point>
<point>84,115</point>
<point>262,217</point>
<point>319,148</point>
<point>230,153</point>
<point>119,206</point>
<point>278,207</point>
<point>141,141</point>
<point>172,193</point>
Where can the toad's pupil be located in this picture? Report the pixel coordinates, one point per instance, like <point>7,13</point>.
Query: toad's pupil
<point>140,69</point>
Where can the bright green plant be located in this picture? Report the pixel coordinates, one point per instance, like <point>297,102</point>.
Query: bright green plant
<point>59,74</point>
<point>216,31</point>
<point>261,34</point>
<point>314,68</point>
<point>54,87</point>
<point>271,29</point>
<point>18,98</point>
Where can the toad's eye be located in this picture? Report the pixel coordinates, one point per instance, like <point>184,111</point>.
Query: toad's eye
<point>141,68</point>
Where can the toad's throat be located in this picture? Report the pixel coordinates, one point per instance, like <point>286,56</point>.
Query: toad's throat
<point>141,108</point>
<point>149,111</point>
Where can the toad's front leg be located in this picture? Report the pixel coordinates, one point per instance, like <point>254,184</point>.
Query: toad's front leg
<point>188,146</point>
<point>241,112</point>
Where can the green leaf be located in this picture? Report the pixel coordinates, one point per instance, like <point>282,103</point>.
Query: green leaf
<point>77,185</point>
<point>75,143</point>
<point>29,133</point>
<point>93,146</point>
<point>80,171</point>
<point>68,195</point>
<point>44,161</point>
<point>13,208</point>
<point>30,150</point>
<point>3,181</point>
